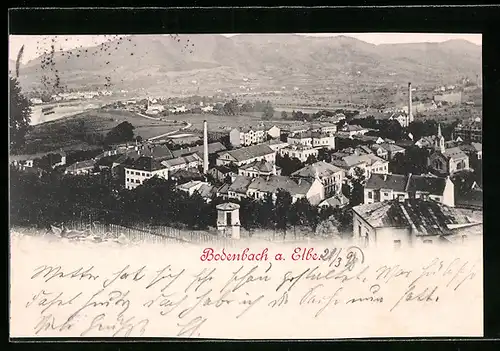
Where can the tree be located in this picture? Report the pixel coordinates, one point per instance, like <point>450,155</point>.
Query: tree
<point>284,115</point>
<point>121,133</point>
<point>20,116</point>
<point>268,112</point>
<point>288,165</point>
<point>311,159</point>
<point>329,228</point>
<point>282,210</point>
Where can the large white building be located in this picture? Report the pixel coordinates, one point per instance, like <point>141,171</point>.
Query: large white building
<point>142,169</point>
<point>299,151</point>
<point>330,176</point>
<point>247,136</point>
<point>312,139</point>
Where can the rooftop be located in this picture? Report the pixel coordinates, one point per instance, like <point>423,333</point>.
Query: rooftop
<point>455,153</point>
<point>407,183</point>
<point>159,152</point>
<point>146,164</point>
<point>423,217</point>
<point>273,183</point>
<point>321,168</point>
<point>260,166</point>
<point>81,165</point>
<point>212,149</point>
<point>250,152</point>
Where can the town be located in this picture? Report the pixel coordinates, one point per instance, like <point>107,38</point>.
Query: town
<point>376,176</point>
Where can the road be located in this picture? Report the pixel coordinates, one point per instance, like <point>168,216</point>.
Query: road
<point>188,125</point>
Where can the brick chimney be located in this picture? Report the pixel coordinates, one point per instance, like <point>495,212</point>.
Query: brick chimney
<point>205,147</point>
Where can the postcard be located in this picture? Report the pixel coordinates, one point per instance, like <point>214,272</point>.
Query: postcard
<point>246,186</point>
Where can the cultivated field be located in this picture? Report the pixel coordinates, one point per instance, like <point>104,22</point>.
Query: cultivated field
<point>67,132</point>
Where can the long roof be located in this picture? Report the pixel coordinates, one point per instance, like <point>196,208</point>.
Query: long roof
<point>455,153</point>
<point>321,168</point>
<point>146,164</point>
<point>250,152</point>
<point>407,183</point>
<point>81,165</point>
<point>212,149</point>
<point>159,152</point>
<point>273,183</point>
<point>259,166</point>
<point>423,217</point>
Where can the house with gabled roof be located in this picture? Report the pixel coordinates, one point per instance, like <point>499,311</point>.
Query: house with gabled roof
<point>141,169</point>
<point>246,155</point>
<point>410,222</point>
<point>260,168</point>
<point>330,176</point>
<point>449,161</point>
<point>369,163</point>
<point>386,187</point>
<point>82,167</point>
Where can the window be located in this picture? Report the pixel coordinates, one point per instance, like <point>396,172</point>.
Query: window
<point>370,196</point>
<point>427,241</point>
<point>359,230</point>
<point>386,194</point>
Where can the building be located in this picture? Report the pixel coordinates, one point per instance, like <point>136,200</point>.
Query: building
<point>349,130</point>
<point>449,161</point>
<point>183,162</point>
<point>470,132</point>
<point>220,173</point>
<point>392,150</point>
<point>473,149</point>
<point>330,176</point>
<point>157,152</point>
<point>299,151</point>
<point>312,139</point>
<point>213,148</point>
<point>402,119</point>
<point>335,201</point>
<point>276,144</point>
<point>369,163</point>
<point>452,98</point>
<point>247,136</point>
<point>385,187</point>
<point>204,189</point>
<point>260,168</point>
<point>142,169</point>
<point>246,155</point>
<point>258,188</point>
<point>82,167</point>
<point>409,222</point>
<point>379,151</point>
<point>274,132</point>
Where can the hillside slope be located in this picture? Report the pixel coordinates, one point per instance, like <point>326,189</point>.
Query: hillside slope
<point>262,62</point>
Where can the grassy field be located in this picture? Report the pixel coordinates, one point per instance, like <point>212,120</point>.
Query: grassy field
<point>65,133</point>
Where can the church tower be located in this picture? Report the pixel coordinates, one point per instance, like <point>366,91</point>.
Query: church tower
<point>440,140</point>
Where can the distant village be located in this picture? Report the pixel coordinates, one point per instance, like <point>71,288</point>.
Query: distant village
<point>328,163</point>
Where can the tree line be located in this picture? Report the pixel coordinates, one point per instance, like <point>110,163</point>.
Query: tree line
<point>54,198</point>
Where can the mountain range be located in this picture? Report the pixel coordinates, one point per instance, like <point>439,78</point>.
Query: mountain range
<point>249,61</point>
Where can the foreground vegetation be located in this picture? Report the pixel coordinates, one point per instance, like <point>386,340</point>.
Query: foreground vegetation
<point>57,198</point>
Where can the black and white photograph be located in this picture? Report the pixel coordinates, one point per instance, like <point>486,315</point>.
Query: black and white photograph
<point>246,186</point>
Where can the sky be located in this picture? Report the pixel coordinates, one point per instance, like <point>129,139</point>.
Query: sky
<point>36,45</point>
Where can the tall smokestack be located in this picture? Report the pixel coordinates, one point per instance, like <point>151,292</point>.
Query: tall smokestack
<point>410,109</point>
<point>205,147</point>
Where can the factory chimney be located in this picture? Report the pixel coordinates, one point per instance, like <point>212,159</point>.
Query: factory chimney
<point>410,109</point>
<point>205,147</point>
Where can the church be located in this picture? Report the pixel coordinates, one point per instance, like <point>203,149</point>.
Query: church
<point>445,161</point>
